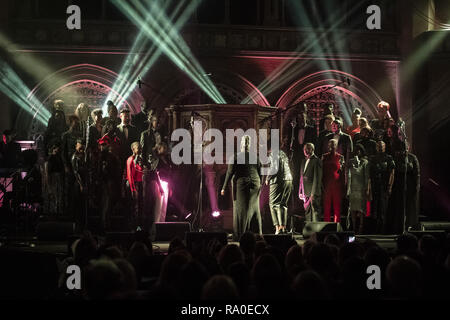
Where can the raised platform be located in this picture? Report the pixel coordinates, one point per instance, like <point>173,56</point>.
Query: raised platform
<point>60,248</point>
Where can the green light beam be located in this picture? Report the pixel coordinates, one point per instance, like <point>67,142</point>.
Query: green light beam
<point>179,45</point>
<point>288,70</point>
<point>13,87</point>
<point>129,65</point>
<point>169,47</point>
<point>154,52</point>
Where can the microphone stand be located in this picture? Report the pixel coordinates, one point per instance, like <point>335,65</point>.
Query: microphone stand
<point>291,145</point>
<point>86,192</point>
<point>140,83</point>
<point>199,212</point>
<point>405,175</point>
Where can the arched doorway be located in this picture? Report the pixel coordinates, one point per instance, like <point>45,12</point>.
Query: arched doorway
<point>344,90</point>
<point>87,83</point>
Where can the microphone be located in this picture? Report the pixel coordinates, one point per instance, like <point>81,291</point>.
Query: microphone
<point>139,83</point>
<point>348,81</point>
<point>293,123</point>
<point>192,119</point>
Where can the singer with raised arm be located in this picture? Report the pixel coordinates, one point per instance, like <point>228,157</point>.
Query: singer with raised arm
<point>310,183</point>
<point>245,170</point>
<point>383,114</point>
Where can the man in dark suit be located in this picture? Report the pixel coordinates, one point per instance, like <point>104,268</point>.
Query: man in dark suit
<point>300,135</point>
<point>140,120</point>
<point>127,134</point>
<point>345,144</point>
<point>310,183</point>
<point>149,138</point>
<point>328,109</point>
<point>322,141</point>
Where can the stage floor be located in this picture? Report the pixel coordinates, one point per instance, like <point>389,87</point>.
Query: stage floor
<point>60,248</point>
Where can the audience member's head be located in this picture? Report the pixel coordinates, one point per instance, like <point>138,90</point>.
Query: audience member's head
<point>349,250</point>
<point>406,243</point>
<point>193,277</point>
<point>103,280</point>
<point>377,256</point>
<point>332,239</point>
<point>247,243</point>
<point>144,237</point>
<point>306,248</point>
<point>85,250</point>
<point>240,273</point>
<point>404,276</point>
<point>110,252</point>
<point>138,256</point>
<point>229,255</point>
<point>260,248</point>
<point>429,246</point>
<point>176,244</point>
<point>128,280</point>
<point>267,276</point>
<point>294,257</point>
<point>309,285</point>
<point>171,267</point>
<point>354,277</point>
<point>220,287</point>
<point>320,259</point>
<point>294,262</point>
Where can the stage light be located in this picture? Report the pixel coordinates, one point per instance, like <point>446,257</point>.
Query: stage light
<point>163,33</point>
<point>132,64</point>
<point>29,63</point>
<point>215,222</point>
<point>15,89</point>
<point>152,55</point>
<point>165,187</point>
<point>420,54</point>
<point>321,47</point>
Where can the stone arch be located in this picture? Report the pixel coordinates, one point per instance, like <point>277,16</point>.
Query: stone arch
<point>233,87</point>
<point>329,85</point>
<point>74,84</point>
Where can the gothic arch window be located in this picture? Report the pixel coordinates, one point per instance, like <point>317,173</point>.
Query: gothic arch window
<point>344,90</point>
<point>86,83</point>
